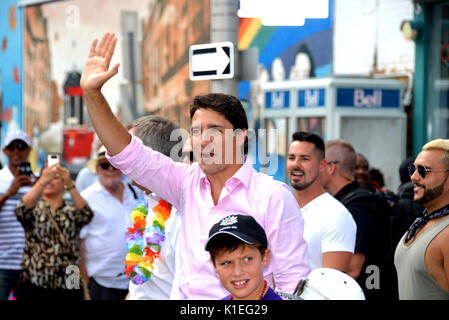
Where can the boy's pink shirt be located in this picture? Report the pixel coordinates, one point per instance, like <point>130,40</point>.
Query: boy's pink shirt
<point>187,188</point>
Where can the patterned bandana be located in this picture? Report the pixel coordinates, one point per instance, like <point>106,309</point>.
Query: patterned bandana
<point>421,221</point>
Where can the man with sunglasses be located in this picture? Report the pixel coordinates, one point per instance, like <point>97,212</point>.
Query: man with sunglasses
<point>422,255</point>
<point>13,185</point>
<point>103,244</point>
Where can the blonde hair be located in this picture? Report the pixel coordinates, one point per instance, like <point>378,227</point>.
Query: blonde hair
<point>439,144</point>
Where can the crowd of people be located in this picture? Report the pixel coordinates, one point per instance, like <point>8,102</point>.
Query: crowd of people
<point>202,223</point>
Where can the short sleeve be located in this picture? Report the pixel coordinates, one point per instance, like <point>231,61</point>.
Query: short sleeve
<point>339,233</point>
<point>83,216</point>
<point>285,233</point>
<point>24,215</point>
<point>84,231</point>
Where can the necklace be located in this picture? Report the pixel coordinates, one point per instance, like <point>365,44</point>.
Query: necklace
<point>261,294</point>
<point>144,240</point>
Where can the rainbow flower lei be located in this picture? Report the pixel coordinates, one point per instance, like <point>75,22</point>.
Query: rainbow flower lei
<point>144,243</point>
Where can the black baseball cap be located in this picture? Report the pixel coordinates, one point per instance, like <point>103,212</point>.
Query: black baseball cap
<point>244,228</point>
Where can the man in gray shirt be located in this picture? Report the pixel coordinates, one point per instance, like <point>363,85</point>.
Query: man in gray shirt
<point>422,255</point>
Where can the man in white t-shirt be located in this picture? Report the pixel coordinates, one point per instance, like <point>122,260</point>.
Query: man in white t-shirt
<point>329,228</point>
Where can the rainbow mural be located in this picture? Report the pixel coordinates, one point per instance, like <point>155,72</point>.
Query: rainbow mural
<point>279,48</point>
<point>284,43</point>
<point>10,68</point>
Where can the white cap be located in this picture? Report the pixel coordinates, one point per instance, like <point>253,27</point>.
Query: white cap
<point>17,135</point>
<point>331,284</point>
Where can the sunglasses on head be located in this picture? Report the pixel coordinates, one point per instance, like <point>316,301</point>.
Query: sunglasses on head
<point>106,165</point>
<point>19,146</point>
<point>422,171</point>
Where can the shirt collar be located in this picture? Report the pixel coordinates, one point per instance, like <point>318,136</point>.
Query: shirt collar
<point>346,189</point>
<point>102,189</point>
<point>243,175</point>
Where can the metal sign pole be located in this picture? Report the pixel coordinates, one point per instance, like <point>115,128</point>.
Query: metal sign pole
<point>224,27</point>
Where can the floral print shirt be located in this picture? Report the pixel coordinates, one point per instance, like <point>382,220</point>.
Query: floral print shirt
<point>48,259</point>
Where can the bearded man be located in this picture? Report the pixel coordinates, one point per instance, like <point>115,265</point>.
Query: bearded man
<point>329,229</point>
<point>422,255</point>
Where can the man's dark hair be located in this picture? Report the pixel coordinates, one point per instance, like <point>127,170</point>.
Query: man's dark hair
<point>403,169</point>
<point>225,243</point>
<point>377,176</point>
<point>227,105</point>
<point>312,138</point>
<point>155,131</point>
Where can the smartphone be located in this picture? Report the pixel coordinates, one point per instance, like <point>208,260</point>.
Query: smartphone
<point>52,159</point>
<point>25,169</point>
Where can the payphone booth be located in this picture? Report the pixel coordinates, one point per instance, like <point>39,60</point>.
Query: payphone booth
<point>364,111</point>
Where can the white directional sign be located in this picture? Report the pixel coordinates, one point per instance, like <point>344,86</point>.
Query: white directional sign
<point>211,61</point>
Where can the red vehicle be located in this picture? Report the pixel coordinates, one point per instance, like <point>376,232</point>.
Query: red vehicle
<point>77,146</point>
<point>77,143</point>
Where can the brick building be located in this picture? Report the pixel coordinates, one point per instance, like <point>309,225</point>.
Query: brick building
<point>172,26</point>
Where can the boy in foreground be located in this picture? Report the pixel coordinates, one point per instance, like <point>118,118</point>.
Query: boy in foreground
<point>239,251</point>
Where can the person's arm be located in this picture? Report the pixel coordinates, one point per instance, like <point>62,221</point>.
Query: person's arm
<point>31,197</point>
<point>338,237</point>
<point>78,201</point>
<point>356,265</point>
<point>285,228</point>
<point>365,234</point>
<point>153,170</point>
<point>115,136</point>
<point>18,182</point>
<point>339,260</point>
<point>96,72</point>
<point>445,253</point>
<point>83,269</point>
<point>3,198</point>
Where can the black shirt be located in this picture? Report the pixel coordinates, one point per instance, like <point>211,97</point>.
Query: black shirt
<point>372,240</point>
<point>362,212</point>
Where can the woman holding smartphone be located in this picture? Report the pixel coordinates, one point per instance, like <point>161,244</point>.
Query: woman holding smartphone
<point>51,261</point>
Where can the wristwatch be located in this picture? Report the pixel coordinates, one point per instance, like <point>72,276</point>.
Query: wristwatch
<point>70,187</point>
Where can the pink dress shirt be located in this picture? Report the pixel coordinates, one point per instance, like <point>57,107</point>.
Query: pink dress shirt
<point>248,192</point>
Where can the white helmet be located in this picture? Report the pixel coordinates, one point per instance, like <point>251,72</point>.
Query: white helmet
<point>330,284</point>
<point>326,284</point>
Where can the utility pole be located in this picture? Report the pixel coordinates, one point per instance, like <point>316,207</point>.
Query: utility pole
<point>224,27</point>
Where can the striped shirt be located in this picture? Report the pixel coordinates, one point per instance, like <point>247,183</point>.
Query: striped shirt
<point>12,236</point>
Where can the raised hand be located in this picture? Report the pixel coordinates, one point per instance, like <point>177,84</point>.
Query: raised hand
<point>17,183</point>
<point>96,70</point>
<point>48,174</point>
<point>65,175</point>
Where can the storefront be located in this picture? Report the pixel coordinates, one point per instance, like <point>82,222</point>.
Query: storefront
<point>431,96</point>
